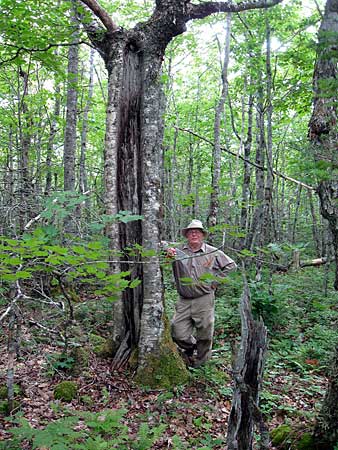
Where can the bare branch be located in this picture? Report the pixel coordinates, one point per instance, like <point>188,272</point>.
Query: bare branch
<point>206,9</point>
<point>102,14</point>
<point>276,172</point>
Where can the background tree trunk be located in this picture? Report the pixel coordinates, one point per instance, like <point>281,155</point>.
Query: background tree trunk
<point>216,154</point>
<point>25,126</point>
<point>51,140</point>
<point>83,179</point>
<point>69,151</point>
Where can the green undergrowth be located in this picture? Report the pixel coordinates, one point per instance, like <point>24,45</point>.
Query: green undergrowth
<point>84,431</point>
<point>301,323</point>
<point>301,316</point>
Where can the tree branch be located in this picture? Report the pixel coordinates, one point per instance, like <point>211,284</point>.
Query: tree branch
<point>101,14</point>
<point>206,9</point>
<point>276,172</point>
<point>35,49</point>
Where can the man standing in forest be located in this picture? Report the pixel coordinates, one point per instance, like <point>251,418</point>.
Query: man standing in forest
<point>195,308</point>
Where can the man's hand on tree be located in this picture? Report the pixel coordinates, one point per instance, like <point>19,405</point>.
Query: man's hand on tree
<point>170,252</point>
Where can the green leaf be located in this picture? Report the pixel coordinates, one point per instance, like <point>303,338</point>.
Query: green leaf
<point>134,283</point>
<point>22,274</point>
<point>186,280</point>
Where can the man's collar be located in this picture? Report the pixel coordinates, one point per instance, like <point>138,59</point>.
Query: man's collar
<point>202,249</point>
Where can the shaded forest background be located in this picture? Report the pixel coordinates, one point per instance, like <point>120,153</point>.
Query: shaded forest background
<point>236,154</point>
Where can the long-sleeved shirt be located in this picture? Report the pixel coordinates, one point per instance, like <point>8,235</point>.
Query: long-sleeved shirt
<point>207,260</point>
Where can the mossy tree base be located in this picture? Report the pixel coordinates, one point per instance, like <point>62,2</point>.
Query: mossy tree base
<point>164,371</point>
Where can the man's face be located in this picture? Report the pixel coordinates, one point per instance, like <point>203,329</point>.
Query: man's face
<point>195,236</point>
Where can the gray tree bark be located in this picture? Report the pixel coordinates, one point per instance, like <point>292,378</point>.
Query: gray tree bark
<point>69,151</point>
<point>217,152</point>
<point>315,230</point>
<point>83,179</point>
<point>268,209</point>
<point>256,235</point>
<point>133,157</point>
<point>323,123</point>
<point>25,125</point>
<point>52,134</point>
<point>323,135</point>
<point>246,174</point>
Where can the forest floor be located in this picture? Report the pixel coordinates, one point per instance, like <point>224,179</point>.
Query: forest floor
<point>110,411</point>
<point>195,416</point>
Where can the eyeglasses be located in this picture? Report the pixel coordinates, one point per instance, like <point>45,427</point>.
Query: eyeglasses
<point>194,231</point>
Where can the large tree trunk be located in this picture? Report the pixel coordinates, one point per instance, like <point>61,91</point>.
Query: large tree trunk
<point>133,164</point>
<point>323,124</point>
<point>326,429</point>
<point>323,134</point>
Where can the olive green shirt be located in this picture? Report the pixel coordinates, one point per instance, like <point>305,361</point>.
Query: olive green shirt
<point>208,262</point>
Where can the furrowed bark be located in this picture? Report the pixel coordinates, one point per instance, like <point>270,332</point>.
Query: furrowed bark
<point>133,158</point>
<point>323,135</point>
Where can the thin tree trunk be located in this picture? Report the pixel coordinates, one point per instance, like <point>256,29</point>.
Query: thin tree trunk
<point>256,235</point>
<point>246,174</point>
<point>268,209</point>
<point>8,193</point>
<point>83,179</point>
<point>51,140</point>
<point>69,152</point>
<point>295,219</point>
<point>216,154</point>
<point>25,126</point>
<point>315,231</point>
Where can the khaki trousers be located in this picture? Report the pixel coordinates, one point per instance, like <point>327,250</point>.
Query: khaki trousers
<point>193,325</point>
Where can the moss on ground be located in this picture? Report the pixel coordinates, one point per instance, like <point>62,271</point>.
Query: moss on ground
<point>281,436</point>
<point>306,442</point>
<point>66,391</point>
<point>285,438</point>
<point>80,356</point>
<point>101,346</point>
